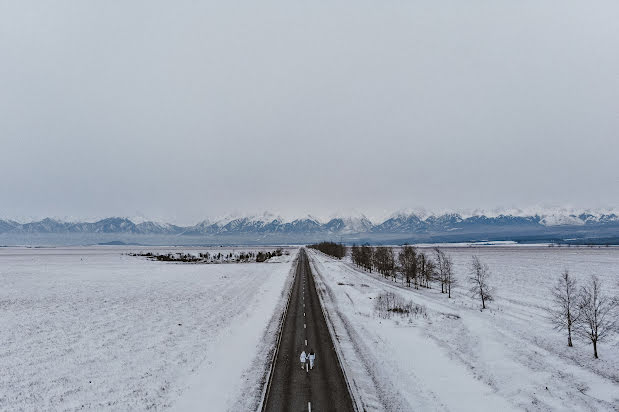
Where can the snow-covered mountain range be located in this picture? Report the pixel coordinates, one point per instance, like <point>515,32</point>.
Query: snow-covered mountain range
<point>398,223</point>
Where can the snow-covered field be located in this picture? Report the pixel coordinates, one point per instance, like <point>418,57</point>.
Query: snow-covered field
<point>457,357</point>
<point>91,328</point>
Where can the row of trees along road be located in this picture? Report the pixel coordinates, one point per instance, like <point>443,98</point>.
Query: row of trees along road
<point>583,311</point>
<point>336,250</point>
<point>586,311</point>
<point>415,267</point>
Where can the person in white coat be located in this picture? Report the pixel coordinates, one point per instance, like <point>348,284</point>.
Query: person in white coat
<point>303,359</point>
<point>312,358</point>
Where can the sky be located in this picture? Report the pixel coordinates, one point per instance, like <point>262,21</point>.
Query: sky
<point>182,110</point>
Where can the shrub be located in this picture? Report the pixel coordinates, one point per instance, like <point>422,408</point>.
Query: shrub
<point>388,303</point>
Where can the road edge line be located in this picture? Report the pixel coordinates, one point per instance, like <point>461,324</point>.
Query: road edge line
<point>267,390</point>
<point>354,395</point>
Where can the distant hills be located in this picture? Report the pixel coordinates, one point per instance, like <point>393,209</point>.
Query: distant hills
<point>109,225</point>
<point>598,228</point>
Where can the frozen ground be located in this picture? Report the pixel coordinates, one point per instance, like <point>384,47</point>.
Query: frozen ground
<point>456,357</point>
<point>92,328</point>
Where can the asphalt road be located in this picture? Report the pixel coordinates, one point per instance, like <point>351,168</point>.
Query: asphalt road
<point>293,388</point>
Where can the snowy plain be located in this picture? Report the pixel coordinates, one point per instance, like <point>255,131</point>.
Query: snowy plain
<point>458,358</point>
<point>91,328</point>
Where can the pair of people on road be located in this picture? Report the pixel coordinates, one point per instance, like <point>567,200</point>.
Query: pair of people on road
<point>311,357</point>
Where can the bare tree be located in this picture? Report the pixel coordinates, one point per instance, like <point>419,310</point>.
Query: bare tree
<point>480,273</point>
<point>450,279</point>
<point>440,268</point>
<point>565,312</point>
<point>355,254</point>
<point>429,272</point>
<point>367,256</point>
<point>384,261</point>
<point>391,267</point>
<point>381,260</point>
<point>421,268</point>
<point>597,317</point>
<point>425,269</point>
<point>408,263</point>
<point>445,273</point>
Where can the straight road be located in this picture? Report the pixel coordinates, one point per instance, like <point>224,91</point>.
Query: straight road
<point>293,388</point>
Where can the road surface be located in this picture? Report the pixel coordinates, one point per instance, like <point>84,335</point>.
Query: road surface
<point>293,388</point>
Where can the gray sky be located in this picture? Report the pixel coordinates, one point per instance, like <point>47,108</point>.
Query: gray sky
<point>182,110</point>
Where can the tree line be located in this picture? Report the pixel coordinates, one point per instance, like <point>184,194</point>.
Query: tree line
<point>336,250</point>
<point>208,257</point>
<point>415,267</point>
<point>586,311</point>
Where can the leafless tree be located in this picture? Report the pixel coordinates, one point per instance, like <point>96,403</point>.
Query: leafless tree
<point>391,264</point>
<point>597,313</point>
<point>379,258</point>
<point>565,313</point>
<point>422,269</point>
<point>450,279</point>
<point>408,263</point>
<point>384,261</point>
<point>429,270</point>
<point>355,254</point>
<point>367,256</point>
<point>479,275</point>
<point>440,259</point>
<point>444,267</point>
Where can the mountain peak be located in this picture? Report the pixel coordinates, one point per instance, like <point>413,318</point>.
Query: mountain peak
<point>408,221</point>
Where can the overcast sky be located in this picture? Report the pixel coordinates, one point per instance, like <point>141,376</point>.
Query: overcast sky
<point>187,109</point>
